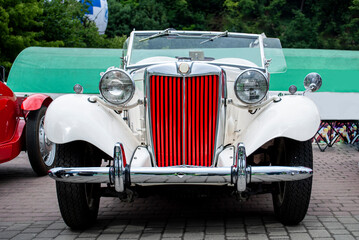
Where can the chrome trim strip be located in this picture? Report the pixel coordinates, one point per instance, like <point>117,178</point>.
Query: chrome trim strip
<point>260,38</point>
<point>184,118</point>
<point>134,67</point>
<point>129,50</point>
<point>216,155</point>
<point>220,124</point>
<point>204,32</point>
<point>148,120</point>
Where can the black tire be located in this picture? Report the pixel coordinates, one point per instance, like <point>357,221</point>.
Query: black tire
<point>78,202</point>
<point>291,199</point>
<point>40,150</point>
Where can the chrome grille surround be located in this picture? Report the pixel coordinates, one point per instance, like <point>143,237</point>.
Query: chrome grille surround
<point>196,70</point>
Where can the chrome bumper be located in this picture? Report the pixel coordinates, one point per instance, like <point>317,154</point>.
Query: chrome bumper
<point>239,174</point>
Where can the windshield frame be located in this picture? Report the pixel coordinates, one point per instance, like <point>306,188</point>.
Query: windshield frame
<point>132,37</point>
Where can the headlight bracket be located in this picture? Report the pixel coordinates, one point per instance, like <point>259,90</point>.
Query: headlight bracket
<point>274,99</point>
<point>94,99</point>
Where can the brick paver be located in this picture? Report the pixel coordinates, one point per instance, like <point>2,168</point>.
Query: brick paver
<point>29,210</point>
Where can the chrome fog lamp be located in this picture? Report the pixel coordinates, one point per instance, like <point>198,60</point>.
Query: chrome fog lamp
<point>117,86</point>
<point>312,82</point>
<point>292,89</point>
<point>251,86</point>
<point>78,89</point>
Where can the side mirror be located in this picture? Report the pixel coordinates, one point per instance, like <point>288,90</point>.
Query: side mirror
<point>2,73</point>
<point>312,82</point>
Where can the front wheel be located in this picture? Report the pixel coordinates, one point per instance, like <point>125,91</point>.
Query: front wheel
<point>78,202</point>
<point>291,199</point>
<point>40,150</point>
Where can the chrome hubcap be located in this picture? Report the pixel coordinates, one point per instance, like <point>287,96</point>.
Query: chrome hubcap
<point>47,148</point>
<point>281,194</point>
<point>281,161</point>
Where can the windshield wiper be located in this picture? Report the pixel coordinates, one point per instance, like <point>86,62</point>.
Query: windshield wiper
<point>160,34</point>
<point>225,34</point>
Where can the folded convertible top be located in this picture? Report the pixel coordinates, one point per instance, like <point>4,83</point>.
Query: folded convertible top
<point>339,69</point>
<point>57,70</point>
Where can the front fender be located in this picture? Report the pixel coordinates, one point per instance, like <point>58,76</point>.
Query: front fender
<point>294,117</point>
<point>72,118</point>
<point>35,101</point>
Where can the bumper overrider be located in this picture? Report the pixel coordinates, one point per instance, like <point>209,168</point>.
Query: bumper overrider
<point>238,175</point>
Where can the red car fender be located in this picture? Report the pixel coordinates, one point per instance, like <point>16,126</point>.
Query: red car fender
<point>9,150</point>
<point>35,101</point>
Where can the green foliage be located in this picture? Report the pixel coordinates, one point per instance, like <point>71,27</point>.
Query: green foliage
<point>300,32</point>
<point>62,23</point>
<point>19,28</point>
<point>119,17</point>
<point>299,24</point>
<point>350,31</point>
<point>55,23</point>
<point>126,15</point>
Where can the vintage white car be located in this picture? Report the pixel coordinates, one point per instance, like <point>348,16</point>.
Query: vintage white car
<point>186,108</point>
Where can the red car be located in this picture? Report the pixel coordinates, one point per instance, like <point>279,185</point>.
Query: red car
<point>22,128</point>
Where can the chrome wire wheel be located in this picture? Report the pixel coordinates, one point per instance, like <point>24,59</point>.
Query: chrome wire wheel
<point>90,195</point>
<point>281,160</point>
<point>281,192</point>
<point>40,150</point>
<point>47,148</point>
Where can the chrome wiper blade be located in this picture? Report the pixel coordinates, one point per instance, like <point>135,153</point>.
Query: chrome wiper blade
<point>160,34</point>
<point>224,34</point>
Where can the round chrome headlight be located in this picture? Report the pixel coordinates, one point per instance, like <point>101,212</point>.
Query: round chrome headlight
<point>117,86</point>
<point>251,86</point>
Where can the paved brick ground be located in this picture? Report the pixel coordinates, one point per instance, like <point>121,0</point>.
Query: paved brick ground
<point>28,209</point>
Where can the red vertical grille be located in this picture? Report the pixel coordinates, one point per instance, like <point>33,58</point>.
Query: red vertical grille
<point>184,122</point>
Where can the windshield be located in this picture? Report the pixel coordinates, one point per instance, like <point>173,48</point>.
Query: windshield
<point>220,48</point>
<point>273,52</point>
<point>195,46</point>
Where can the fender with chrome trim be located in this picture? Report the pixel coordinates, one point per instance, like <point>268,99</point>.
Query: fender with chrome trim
<point>35,101</point>
<point>72,117</point>
<point>294,117</point>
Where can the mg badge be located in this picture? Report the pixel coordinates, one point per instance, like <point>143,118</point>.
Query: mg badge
<point>183,68</point>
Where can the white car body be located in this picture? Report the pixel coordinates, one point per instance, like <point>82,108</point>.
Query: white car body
<point>98,125</point>
<point>151,135</point>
